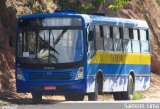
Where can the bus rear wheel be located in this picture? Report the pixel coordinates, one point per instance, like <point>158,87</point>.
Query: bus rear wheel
<point>36,97</point>
<point>94,95</point>
<point>74,96</point>
<point>128,95</point>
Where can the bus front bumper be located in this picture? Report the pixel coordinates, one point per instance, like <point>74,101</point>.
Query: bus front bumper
<point>61,87</point>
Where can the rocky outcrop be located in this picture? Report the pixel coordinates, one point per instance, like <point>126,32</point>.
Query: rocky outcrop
<point>6,53</point>
<point>155,62</point>
<point>10,10</point>
<point>8,17</point>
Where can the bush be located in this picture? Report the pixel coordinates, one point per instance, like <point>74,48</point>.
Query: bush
<point>158,1</point>
<point>86,7</point>
<point>118,4</point>
<point>137,96</point>
<point>34,6</point>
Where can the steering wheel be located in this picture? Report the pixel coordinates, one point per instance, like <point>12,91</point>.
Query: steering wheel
<point>52,59</point>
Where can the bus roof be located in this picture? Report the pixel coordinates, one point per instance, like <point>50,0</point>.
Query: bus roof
<point>113,21</point>
<point>95,19</point>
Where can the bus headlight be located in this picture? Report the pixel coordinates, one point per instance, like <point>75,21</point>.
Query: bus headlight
<point>80,73</point>
<point>19,74</point>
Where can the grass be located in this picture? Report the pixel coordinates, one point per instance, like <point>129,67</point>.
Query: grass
<point>3,103</point>
<point>137,96</point>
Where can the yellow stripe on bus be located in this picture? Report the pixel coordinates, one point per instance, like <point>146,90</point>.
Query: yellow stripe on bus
<point>120,58</point>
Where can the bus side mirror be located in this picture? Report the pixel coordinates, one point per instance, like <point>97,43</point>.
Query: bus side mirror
<point>90,35</point>
<point>11,41</point>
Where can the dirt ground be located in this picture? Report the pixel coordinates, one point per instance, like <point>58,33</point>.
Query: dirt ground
<point>154,91</point>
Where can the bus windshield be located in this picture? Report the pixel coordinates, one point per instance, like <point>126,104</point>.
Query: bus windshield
<point>60,44</point>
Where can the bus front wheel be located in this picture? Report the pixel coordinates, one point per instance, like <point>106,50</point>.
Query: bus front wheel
<point>128,95</point>
<point>94,95</point>
<point>36,97</point>
<point>74,96</point>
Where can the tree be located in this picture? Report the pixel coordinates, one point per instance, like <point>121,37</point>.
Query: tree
<point>82,7</point>
<point>118,4</point>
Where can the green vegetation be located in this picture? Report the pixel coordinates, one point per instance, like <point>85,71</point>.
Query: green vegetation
<point>137,96</point>
<point>49,2</point>
<point>34,6</point>
<point>158,1</point>
<point>82,7</point>
<point>3,103</point>
<point>77,5</point>
<point>118,4</point>
<point>90,6</point>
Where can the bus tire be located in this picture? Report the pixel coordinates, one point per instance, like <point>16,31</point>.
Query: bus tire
<point>74,96</point>
<point>36,98</point>
<point>130,89</point>
<point>128,95</point>
<point>116,95</point>
<point>94,95</point>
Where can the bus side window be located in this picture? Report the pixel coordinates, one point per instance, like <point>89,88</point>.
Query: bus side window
<point>144,41</point>
<point>135,42</point>
<point>108,41</point>
<point>117,39</point>
<point>126,40</point>
<point>99,38</point>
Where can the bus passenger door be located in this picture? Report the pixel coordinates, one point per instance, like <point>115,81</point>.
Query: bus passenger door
<point>90,59</point>
<point>90,43</point>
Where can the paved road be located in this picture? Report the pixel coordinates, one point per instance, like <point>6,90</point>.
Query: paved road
<point>145,104</point>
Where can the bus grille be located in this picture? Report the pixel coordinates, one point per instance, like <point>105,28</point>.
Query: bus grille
<point>51,76</point>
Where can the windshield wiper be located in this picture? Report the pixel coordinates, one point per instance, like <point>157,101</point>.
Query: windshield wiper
<point>60,36</point>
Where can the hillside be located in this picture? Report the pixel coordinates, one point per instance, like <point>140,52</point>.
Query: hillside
<point>148,10</point>
<point>10,10</point>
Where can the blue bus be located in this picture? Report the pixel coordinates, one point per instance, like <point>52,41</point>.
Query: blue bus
<point>71,54</point>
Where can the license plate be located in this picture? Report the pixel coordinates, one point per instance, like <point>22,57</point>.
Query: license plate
<point>49,87</point>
